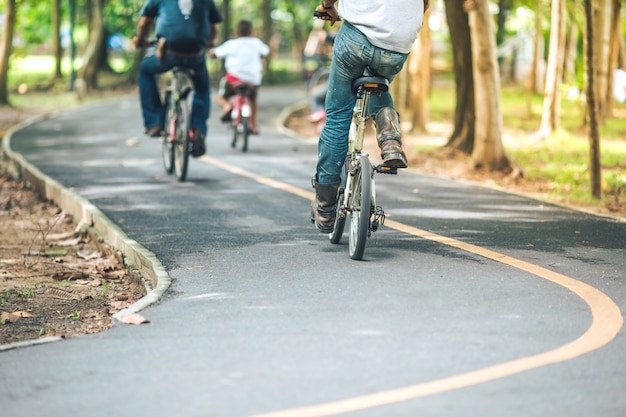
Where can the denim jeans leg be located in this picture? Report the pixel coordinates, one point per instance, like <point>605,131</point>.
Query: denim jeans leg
<point>151,106</point>
<point>201,106</point>
<point>347,64</point>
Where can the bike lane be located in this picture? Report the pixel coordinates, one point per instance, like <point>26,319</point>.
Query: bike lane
<point>256,311</point>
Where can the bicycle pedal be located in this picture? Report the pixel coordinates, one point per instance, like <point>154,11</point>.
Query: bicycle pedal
<point>386,170</point>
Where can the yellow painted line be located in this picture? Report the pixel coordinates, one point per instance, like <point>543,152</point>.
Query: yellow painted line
<point>607,322</point>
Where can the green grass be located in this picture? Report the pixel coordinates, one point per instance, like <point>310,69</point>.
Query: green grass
<point>562,160</point>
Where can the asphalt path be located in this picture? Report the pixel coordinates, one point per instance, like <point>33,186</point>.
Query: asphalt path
<point>469,301</point>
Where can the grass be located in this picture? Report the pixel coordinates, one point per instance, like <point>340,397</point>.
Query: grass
<point>560,162</point>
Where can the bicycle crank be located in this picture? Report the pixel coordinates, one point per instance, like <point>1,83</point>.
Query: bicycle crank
<point>379,218</point>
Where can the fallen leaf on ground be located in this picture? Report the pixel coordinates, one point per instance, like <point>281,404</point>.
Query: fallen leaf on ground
<point>133,319</point>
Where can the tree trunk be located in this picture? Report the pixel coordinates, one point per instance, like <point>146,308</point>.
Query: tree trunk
<point>601,50</point>
<point>535,80</point>
<point>6,49</point>
<point>552,101</point>
<point>227,29</point>
<point>462,137</point>
<point>594,135</point>
<point>488,148</point>
<point>616,34</point>
<point>57,49</point>
<point>420,76</point>
<point>571,46</point>
<point>91,57</point>
<point>266,15</point>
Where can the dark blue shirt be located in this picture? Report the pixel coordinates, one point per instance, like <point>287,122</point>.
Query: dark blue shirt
<point>186,24</point>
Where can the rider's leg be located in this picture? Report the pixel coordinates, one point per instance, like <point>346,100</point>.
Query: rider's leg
<point>150,98</point>
<point>388,135</point>
<point>389,138</point>
<point>348,63</point>
<point>201,106</point>
<point>324,205</point>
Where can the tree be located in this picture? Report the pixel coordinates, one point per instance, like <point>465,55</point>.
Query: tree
<point>57,49</point>
<point>488,148</point>
<point>594,136</point>
<point>601,49</point>
<point>92,55</point>
<point>6,49</point>
<point>535,81</point>
<point>420,75</point>
<point>462,137</point>
<point>551,102</point>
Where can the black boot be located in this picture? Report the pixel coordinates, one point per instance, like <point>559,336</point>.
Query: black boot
<point>324,205</point>
<point>388,137</point>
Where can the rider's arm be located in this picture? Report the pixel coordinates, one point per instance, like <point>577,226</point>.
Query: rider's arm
<point>212,36</point>
<point>143,28</point>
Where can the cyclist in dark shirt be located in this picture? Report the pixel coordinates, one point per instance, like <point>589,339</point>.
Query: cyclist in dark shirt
<point>184,29</point>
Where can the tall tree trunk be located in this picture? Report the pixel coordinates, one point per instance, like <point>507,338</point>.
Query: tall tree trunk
<point>266,15</point>
<point>91,58</point>
<point>57,49</point>
<point>420,76</point>
<point>616,34</point>
<point>488,148</point>
<point>462,137</point>
<point>571,46</point>
<point>6,49</point>
<point>552,102</point>
<point>227,25</point>
<point>535,80</point>
<point>601,49</point>
<point>594,135</point>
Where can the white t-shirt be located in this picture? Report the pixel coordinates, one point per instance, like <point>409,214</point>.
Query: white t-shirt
<point>387,24</point>
<point>243,58</point>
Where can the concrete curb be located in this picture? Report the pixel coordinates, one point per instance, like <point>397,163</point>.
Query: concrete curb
<point>137,257</point>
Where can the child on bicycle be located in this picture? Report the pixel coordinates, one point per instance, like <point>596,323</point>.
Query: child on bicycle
<point>243,65</point>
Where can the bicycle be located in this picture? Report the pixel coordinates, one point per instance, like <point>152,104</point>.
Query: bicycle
<point>240,115</point>
<point>176,142</point>
<point>356,196</point>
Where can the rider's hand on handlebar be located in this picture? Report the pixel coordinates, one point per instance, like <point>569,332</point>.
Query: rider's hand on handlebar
<point>140,42</point>
<point>331,14</point>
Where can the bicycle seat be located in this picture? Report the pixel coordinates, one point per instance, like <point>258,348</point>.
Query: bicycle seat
<point>377,84</point>
<point>243,88</point>
<point>185,70</point>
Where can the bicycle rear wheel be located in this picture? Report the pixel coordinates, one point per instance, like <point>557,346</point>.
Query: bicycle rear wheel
<point>360,208</point>
<point>245,133</point>
<point>340,218</point>
<point>182,144</point>
<point>167,146</point>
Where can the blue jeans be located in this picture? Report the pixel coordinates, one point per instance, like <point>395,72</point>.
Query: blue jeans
<point>150,96</point>
<point>353,55</point>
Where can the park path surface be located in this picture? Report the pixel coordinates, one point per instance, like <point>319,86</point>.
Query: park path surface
<point>469,301</point>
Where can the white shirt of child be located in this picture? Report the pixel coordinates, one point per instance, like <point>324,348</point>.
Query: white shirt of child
<point>243,58</point>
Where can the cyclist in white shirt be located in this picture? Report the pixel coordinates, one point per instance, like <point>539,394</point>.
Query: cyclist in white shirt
<point>243,64</point>
<point>375,37</point>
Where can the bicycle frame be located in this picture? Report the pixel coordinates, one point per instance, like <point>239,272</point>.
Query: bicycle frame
<point>357,194</point>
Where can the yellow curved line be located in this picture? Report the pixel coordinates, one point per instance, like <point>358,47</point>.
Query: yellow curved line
<point>607,322</point>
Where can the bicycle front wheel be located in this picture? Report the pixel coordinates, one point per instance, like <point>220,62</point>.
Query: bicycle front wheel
<point>360,208</point>
<point>167,146</point>
<point>182,144</point>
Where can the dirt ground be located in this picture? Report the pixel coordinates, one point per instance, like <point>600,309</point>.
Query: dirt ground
<point>58,280</point>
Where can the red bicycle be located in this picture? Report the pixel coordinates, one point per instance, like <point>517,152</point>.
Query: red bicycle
<point>240,115</point>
